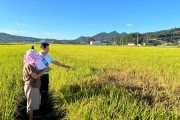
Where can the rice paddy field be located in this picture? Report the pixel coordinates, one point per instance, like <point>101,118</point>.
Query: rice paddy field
<point>104,83</point>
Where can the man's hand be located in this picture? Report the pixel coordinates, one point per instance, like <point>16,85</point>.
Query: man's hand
<point>60,64</point>
<point>47,69</point>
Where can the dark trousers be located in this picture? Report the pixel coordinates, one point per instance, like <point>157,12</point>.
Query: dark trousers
<point>44,87</point>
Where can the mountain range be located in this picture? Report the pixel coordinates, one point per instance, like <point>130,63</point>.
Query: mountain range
<point>163,35</point>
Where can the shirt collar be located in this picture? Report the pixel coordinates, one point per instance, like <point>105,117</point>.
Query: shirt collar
<point>42,54</point>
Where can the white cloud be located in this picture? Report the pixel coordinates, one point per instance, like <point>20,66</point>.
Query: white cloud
<point>129,25</point>
<point>19,24</point>
<point>14,31</point>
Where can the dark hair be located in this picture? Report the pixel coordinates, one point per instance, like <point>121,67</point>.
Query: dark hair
<point>32,47</point>
<point>44,45</point>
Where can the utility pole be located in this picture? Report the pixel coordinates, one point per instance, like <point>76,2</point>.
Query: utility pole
<point>171,39</point>
<point>120,41</point>
<point>114,41</point>
<point>137,39</point>
<point>147,38</point>
<point>126,42</point>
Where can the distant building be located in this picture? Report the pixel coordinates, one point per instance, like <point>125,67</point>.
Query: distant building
<point>95,42</point>
<point>131,43</point>
<point>168,43</point>
<point>103,43</point>
<point>114,43</point>
<point>36,42</point>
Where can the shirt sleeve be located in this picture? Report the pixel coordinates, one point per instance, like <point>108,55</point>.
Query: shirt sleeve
<point>30,69</point>
<point>50,58</point>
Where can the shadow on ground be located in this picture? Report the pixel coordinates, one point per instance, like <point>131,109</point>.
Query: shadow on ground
<point>46,111</point>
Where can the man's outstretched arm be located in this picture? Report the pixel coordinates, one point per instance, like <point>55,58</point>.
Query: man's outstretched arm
<point>60,64</point>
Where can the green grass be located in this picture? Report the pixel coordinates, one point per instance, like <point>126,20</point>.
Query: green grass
<point>105,82</point>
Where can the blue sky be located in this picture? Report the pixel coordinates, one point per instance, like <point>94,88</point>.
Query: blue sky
<point>69,19</point>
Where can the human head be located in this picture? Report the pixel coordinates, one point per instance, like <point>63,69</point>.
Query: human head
<point>31,57</point>
<point>45,48</point>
